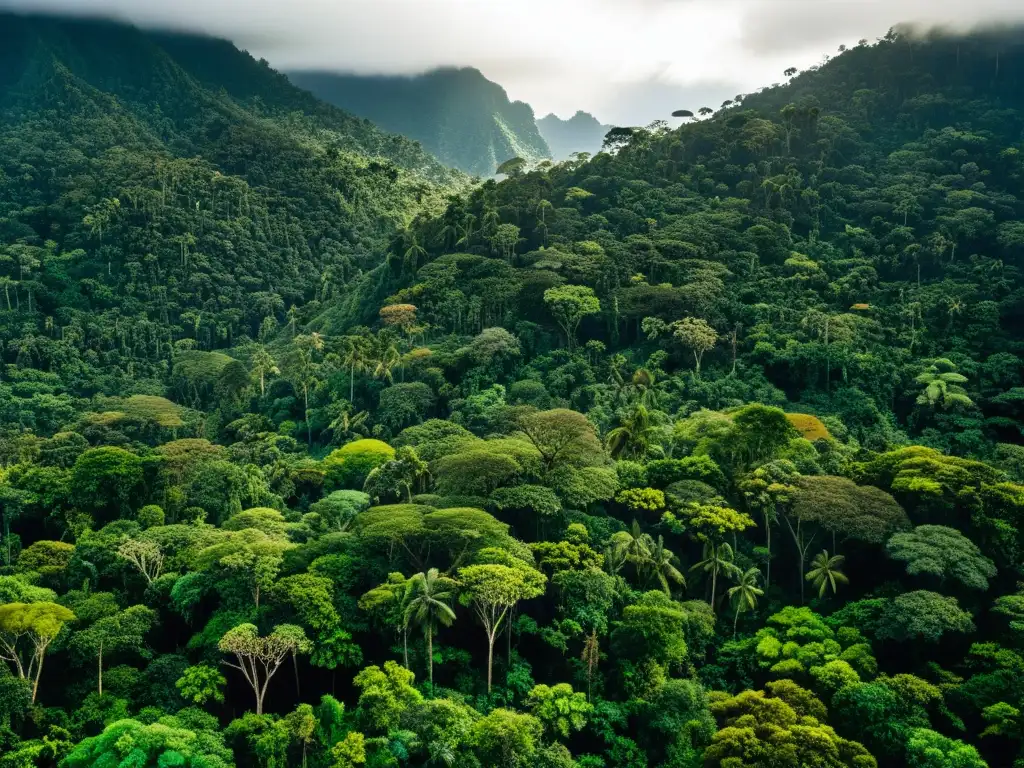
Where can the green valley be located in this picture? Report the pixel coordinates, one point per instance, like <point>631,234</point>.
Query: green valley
<point>701,451</point>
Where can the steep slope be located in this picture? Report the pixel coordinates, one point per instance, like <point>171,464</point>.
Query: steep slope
<point>580,133</point>
<point>458,115</point>
<point>837,233</point>
<point>165,191</point>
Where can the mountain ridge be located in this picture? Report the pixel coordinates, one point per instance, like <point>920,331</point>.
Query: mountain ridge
<point>580,133</point>
<point>457,114</point>
<point>144,193</point>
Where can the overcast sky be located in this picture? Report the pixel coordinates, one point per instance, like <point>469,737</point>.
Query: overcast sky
<point>627,61</point>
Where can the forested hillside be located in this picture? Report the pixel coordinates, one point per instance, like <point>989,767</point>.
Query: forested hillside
<point>702,451</point>
<point>163,192</point>
<point>459,115</point>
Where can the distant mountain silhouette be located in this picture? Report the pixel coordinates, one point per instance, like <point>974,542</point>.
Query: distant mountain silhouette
<point>580,133</point>
<point>458,115</point>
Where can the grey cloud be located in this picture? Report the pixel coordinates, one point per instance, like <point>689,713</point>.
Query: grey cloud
<point>777,26</point>
<point>655,99</point>
<point>627,61</point>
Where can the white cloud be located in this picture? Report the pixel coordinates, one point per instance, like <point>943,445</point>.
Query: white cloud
<point>560,55</point>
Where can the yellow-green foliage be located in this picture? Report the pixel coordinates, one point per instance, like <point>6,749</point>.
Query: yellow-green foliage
<point>642,499</point>
<point>140,409</point>
<point>199,366</point>
<point>159,410</point>
<point>348,466</point>
<point>810,427</point>
<point>265,519</point>
<point>46,557</point>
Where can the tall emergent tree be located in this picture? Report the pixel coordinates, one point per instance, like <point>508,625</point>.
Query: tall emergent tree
<point>260,657</point>
<point>427,603</point>
<point>569,304</point>
<point>38,623</point>
<point>493,589</point>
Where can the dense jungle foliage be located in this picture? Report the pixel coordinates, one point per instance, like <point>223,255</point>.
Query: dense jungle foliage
<point>703,451</point>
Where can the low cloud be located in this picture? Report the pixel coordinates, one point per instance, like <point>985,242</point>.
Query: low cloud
<point>774,26</point>
<point>627,61</point>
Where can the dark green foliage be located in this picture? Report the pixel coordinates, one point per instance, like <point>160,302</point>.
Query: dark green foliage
<point>629,407</point>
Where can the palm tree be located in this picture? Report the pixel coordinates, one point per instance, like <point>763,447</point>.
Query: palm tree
<point>634,546</point>
<point>427,598</point>
<point>385,363</point>
<point>614,559</point>
<point>264,365</point>
<point>718,558</point>
<point>642,383</point>
<point>466,230</point>
<point>662,565</point>
<point>7,282</point>
<point>636,436</point>
<point>411,257</point>
<point>356,358</point>
<point>825,572</point>
<point>348,425</point>
<point>745,594</point>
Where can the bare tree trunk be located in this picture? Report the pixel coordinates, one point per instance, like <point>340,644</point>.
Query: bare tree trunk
<point>490,659</point>
<point>430,656</point>
<point>39,672</point>
<point>714,583</point>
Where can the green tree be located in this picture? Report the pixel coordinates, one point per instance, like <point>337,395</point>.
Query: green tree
<point>263,365</point>
<point>493,590</point>
<point>562,437</point>
<point>507,739</point>
<point>305,369</point>
<point>506,238</point>
<point>171,741</point>
<point>561,710</point>
<point>696,335</point>
<point>922,615</point>
<point>144,556</point>
<point>355,357</point>
<point>745,593</point>
<point>825,573</point>
<point>943,386</point>
<point>662,563</point>
<point>942,553</point>
<point>385,696</point>
<point>36,623</point>
<point>396,477</point>
<point>928,749</point>
<point>636,437</point>
<point>427,603</point>
<point>350,752</point>
<point>760,730</point>
<point>258,657</point>
<point>201,683</point>
<point>107,481</point>
<point>569,304</point>
<point>122,632</point>
<point>718,558</point>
